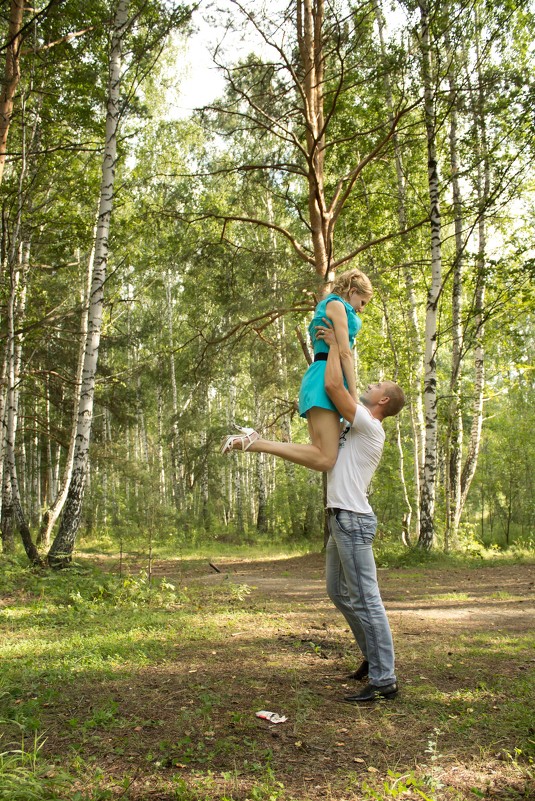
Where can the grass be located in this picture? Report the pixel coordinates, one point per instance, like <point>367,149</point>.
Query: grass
<point>116,687</point>
<point>389,553</point>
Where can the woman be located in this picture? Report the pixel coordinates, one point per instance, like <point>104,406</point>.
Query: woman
<point>350,293</point>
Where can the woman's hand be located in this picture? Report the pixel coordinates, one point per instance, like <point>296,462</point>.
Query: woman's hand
<point>326,333</point>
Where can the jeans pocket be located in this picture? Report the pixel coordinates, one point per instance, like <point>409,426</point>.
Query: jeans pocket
<point>358,527</point>
<point>367,530</point>
<point>346,522</point>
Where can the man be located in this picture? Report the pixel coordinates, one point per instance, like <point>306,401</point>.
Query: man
<point>351,572</point>
<point>350,564</point>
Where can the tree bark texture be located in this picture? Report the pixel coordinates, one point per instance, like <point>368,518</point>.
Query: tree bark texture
<point>11,76</point>
<point>310,40</point>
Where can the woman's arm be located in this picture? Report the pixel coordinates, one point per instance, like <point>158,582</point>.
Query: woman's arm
<point>336,311</point>
<point>334,383</point>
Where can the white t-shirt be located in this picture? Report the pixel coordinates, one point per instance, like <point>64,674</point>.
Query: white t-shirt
<point>359,453</point>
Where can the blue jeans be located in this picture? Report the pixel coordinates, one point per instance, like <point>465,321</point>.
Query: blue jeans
<point>353,589</point>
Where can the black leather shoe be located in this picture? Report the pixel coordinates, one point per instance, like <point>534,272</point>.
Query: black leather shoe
<point>373,693</point>
<point>361,672</point>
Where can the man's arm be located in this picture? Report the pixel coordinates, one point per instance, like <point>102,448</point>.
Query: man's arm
<point>334,379</point>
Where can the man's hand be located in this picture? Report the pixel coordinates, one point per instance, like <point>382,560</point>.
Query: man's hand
<point>326,333</point>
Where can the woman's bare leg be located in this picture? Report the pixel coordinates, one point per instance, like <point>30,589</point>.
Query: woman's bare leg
<point>321,454</point>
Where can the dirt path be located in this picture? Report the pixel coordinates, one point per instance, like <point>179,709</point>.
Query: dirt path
<point>485,596</point>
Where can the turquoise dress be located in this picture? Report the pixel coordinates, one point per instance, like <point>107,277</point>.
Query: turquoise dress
<point>312,392</point>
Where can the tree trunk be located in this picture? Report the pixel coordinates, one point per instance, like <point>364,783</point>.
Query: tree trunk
<point>3,398</point>
<point>428,485</point>
<point>416,405</point>
<point>176,477</point>
<point>36,461</point>
<point>18,259</point>
<point>204,468</point>
<point>52,513</point>
<point>140,418</point>
<point>11,76</point>
<point>310,41</point>
<point>15,311</point>
<point>454,433</point>
<point>407,517</point>
<point>161,461</point>
<point>261,494</point>
<point>62,548</point>
<point>483,193</point>
<point>238,496</point>
<point>285,424</point>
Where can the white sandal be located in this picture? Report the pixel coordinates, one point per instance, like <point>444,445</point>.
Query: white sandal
<point>246,439</point>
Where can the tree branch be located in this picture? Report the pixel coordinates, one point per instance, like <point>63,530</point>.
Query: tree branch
<point>67,38</point>
<point>373,242</point>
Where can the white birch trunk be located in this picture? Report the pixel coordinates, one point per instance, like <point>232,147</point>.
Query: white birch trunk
<point>428,485</point>
<point>238,496</point>
<point>36,472</point>
<point>141,427</point>
<point>161,460</point>
<point>474,443</point>
<point>3,396</point>
<point>416,404</point>
<point>50,471</point>
<point>7,513</point>
<point>176,459</point>
<point>454,434</point>
<point>261,494</point>
<point>406,522</point>
<point>15,311</point>
<point>204,404</point>
<point>483,193</point>
<point>52,513</point>
<point>18,260</point>
<point>231,465</point>
<point>63,545</point>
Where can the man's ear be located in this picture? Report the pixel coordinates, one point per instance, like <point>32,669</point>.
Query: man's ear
<point>384,399</point>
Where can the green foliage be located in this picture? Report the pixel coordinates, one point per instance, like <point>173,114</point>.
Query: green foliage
<point>400,785</point>
<point>85,589</point>
<point>25,776</point>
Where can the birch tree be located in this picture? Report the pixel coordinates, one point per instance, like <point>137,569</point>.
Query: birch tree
<point>53,511</point>
<point>61,551</point>
<point>414,328</point>
<point>454,433</point>
<point>428,484</point>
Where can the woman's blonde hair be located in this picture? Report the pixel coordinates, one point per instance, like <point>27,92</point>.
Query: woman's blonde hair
<point>352,279</point>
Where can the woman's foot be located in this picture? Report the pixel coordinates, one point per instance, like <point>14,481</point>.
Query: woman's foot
<point>240,442</point>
